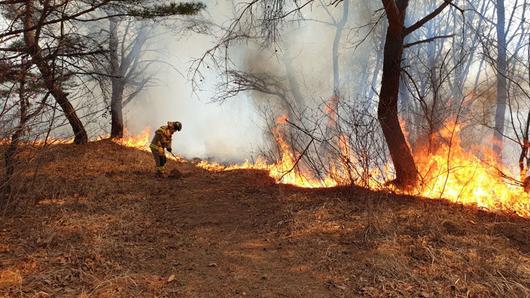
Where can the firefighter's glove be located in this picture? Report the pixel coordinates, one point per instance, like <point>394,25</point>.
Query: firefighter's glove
<point>169,149</point>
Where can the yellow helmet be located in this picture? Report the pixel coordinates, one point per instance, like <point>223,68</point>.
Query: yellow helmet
<point>175,125</point>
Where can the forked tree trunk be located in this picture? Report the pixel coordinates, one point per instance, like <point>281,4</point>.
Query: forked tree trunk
<point>502,91</point>
<point>406,172</point>
<point>124,64</point>
<point>34,50</point>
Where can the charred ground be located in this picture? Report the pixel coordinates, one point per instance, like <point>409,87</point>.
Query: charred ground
<point>94,221</point>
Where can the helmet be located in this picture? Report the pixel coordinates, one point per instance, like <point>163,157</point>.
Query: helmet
<point>175,125</point>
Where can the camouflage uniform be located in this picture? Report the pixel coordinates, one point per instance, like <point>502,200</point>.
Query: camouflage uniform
<point>161,141</point>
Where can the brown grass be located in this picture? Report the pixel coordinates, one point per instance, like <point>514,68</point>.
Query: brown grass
<point>95,221</point>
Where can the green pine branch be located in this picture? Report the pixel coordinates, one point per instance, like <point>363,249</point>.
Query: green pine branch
<point>171,9</point>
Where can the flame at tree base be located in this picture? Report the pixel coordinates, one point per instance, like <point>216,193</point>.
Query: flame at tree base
<point>449,172</point>
<point>460,176</point>
<point>141,141</point>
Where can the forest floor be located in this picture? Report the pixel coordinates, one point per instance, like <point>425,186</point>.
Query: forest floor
<point>94,221</point>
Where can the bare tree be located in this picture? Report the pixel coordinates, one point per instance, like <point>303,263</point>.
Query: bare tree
<point>31,38</point>
<point>127,69</point>
<point>502,90</point>
<point>266,25</point>
<point>404,165</point>
<point>57,44</point>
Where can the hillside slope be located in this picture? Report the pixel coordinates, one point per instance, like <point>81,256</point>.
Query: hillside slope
<point>94,221</point>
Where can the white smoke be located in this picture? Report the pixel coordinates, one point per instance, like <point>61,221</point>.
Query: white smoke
<point>234,130</point>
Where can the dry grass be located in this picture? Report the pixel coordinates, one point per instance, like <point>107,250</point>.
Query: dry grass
<point>96,222</point>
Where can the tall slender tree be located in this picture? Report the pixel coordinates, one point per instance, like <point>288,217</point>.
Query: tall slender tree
<point>502,84</point>
<point>125,50</point>
<point>404,165</point>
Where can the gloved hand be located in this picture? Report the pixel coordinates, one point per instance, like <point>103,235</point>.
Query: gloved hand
<point>160,151</point>
<point>169,149</point>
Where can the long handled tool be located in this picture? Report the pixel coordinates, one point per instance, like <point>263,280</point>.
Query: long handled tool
<point>175,173</point>
<point>173,155</point>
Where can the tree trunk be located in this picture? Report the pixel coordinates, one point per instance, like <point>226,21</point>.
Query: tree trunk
<point>118,85</point>
<point>369,90</point>
<point>34,50</point>
<point>406,172</point>
<point>335,49</point>
<point>12,148</point>
<point>332,105</point>
<point>294,86</point>
<point>116,110</point>
<point>502,91</point>
<point>333,102</point>
<point>524,159</point>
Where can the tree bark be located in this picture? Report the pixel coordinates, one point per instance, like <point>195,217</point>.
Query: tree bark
<point>524,159</point>
<point>116,110</point>
<point>12,148</point>
<point>502,90</point>
<point>34,50</point>
<point>369,90</point>
<point>406,171</point>
<point>117,80</point>
<point>333,103</point>
<point>335,49</point>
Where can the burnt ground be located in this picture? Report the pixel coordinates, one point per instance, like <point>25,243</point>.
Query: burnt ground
<point>94,221</point>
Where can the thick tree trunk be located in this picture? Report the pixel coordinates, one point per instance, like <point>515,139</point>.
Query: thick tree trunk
<point>406,172</point>
<point>118,84</point>
<point>502,91</point>
<point>116,110</point>
<point>34,50</point>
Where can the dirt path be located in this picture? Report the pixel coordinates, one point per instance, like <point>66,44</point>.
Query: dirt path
<point>104,226</point>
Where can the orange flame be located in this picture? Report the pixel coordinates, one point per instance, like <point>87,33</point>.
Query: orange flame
<point>284,171</point>
<point>139,141</point>
<point>460,176</point>
<point>331,110</point>
<point>450,172</point>
<point>282,120</point>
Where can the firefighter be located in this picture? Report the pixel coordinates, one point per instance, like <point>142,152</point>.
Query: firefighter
<point>161,141</point>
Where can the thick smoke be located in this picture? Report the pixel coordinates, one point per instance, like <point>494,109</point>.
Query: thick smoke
<point>234,130</point>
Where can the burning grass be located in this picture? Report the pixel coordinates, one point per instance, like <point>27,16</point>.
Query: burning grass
<point>469,177</point>
<point>108,227</point>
